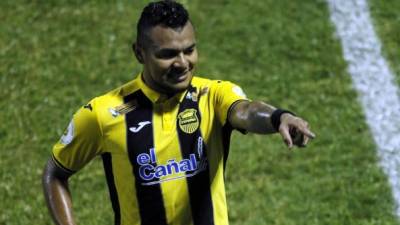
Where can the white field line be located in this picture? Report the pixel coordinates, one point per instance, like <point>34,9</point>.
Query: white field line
<point>373,81</point>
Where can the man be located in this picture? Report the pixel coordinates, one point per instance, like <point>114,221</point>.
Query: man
<point>164,136</point>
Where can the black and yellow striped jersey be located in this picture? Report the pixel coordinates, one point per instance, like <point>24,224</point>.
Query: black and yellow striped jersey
<point>163,157</point>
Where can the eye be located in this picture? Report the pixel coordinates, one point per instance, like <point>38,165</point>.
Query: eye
<point>166,54</point>
<point>188,51</point>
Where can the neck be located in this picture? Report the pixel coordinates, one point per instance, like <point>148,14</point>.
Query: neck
<point>153,85</point>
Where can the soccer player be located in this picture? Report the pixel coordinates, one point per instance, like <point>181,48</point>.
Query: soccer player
<point>164,136</point>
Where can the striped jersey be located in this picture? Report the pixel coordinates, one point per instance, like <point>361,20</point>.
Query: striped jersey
<point>163,157</point>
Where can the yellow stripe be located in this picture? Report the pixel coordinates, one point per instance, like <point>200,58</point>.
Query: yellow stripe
<point>217,185</point>
<point>124,183</point>
<point>122,168</point>
<point>215,157</point>
<point>175,192</point>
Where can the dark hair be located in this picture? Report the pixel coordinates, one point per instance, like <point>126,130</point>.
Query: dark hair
<point>167,13</point>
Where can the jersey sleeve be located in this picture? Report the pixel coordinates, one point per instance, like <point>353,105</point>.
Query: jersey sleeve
<point>226,95</point>
<point>81,141</point>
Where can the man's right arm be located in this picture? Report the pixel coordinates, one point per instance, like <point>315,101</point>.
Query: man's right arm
<point>57,194</point>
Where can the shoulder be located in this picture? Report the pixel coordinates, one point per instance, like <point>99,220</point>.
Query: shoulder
<point>117,94</point>
<point>217,86</point>
<point>211,83</point>
<point>101,107</point>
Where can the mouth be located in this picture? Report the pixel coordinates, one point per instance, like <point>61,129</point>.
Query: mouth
<point>180,76</point>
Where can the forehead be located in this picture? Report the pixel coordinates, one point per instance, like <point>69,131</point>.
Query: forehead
<point>165,37</point>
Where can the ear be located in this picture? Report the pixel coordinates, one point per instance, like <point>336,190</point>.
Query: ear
<point>138,52</point>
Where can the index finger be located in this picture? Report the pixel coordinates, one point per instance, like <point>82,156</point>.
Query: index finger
<point>307,132</point>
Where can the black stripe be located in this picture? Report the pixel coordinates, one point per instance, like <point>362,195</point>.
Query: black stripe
<point>107,164</point>
<point>227,131</point>
<point>198,185</point>
<point>61,166</point>
<point>150,200</point>
<point>226,140</point>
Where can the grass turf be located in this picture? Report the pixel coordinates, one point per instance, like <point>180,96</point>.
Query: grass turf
<point>387,24</point>
<point>56,55</point>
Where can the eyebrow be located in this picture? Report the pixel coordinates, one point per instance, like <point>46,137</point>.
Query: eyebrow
<point>176,50</point>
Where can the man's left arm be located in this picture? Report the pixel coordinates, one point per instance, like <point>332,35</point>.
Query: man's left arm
<point>259,117</point>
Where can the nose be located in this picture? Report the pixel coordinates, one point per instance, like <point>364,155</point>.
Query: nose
<point>181,61</point>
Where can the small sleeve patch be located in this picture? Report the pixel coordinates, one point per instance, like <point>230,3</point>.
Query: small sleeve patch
<point>237,90</point>
<point>68,135</point>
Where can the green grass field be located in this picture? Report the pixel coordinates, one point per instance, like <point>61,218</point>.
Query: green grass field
<point>387,24</point>
<point>57,55</point>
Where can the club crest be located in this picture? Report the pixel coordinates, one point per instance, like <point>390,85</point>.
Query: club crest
<point>188,121</point>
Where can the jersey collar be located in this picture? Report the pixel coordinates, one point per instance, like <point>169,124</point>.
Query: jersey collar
<point>155,96</point>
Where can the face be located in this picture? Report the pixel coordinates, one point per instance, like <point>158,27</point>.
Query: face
<point>169,58</point>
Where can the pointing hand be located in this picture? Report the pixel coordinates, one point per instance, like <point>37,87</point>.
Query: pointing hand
<point>295,131</point>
